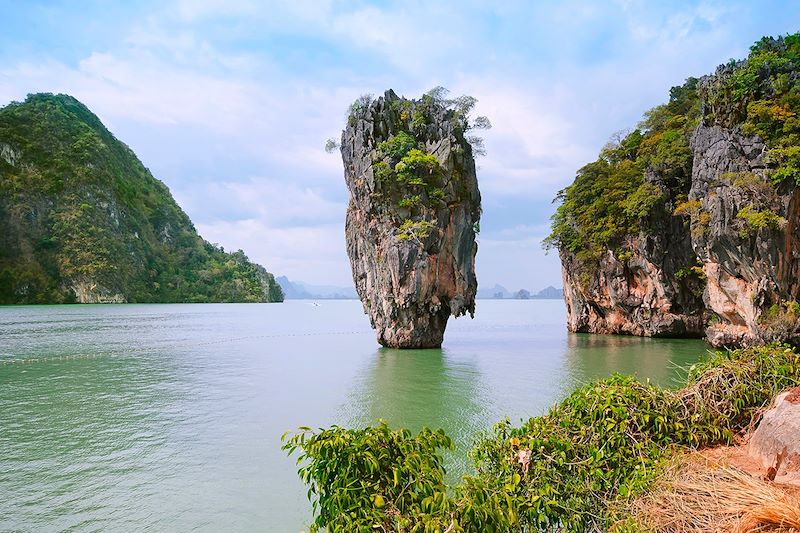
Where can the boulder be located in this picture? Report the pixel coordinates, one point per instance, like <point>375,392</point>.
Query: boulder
<point>776,441</point>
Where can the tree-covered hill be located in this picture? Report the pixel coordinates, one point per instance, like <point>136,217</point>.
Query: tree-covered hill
<point>82,220</point>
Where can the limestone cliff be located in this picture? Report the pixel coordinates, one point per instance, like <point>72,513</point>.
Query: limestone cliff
<point>636,291</point>
<point>412,216</point>
<point>689,224</point>
<point>748,267</point>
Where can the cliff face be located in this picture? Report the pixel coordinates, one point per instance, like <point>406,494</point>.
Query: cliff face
<point>639,295</point>
<point>749,267</point>
<point>412,216</point>
<point>715,251</point>
<point>84,221</point>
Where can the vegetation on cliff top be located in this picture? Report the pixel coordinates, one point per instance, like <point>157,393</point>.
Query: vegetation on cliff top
<point>408,179</point>
<point>78,208</point>
<point>570,469</point>
<point>649,169</point>
<point>763,94</point>
<point>610,196</point>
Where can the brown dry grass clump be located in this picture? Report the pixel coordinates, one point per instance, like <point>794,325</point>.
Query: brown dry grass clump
<point>698,494</point>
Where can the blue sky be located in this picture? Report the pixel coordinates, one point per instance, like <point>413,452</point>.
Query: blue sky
<point>229,102</point>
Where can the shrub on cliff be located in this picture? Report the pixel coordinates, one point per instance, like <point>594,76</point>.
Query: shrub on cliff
<point>610,197</point>
<point>760,94</point>
<point>763,94</point>
<point>780,323</point>
<point>405,173</point>
<point>567,470</point>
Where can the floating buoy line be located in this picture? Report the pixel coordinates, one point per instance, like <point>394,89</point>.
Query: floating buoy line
<point>5,360</point>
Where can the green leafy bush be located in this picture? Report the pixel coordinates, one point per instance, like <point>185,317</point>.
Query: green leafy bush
<point>755,220</point>
<point>565,471</point>
<point>642,201</point>
<point>410,201</point>
<point>398,146</point>
<point>419,119</point>
<point>374,478</point>
<point>416,230</point>
<point>786,162</point>
<point>592,214</point>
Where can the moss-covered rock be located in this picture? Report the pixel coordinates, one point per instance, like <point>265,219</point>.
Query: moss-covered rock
<point>412,217</point>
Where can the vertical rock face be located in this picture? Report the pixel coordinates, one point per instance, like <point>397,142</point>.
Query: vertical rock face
<point>640,294</point>
<point>412,216</point>
<point>747,268</point>
<point>715,252</point>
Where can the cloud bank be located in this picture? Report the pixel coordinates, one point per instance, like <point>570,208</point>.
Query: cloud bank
<point>229,103</point>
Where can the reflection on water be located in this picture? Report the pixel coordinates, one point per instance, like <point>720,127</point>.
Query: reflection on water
<point>662,361</point>
<point>169,417</point>
<point>418,388</point>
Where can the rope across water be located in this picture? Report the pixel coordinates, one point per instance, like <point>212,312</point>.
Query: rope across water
<point>5,360</point>
<point>10,359</point>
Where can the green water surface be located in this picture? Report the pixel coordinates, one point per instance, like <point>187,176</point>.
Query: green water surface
<point>168,417</point>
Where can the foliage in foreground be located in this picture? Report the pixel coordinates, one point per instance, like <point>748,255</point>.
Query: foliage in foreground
<point>565,471</point>
<point>374,476</point>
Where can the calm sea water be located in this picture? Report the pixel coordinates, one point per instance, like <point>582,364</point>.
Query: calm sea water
<point>168,417</point>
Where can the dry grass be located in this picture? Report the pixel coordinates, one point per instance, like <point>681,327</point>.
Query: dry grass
<point>701,495</point>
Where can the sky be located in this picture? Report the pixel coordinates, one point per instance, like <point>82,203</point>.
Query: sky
<point>229,102</point>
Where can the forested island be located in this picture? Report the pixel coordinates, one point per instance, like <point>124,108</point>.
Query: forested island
<point>688,224</point>
<point>84,221</point>
<point>684,226</point>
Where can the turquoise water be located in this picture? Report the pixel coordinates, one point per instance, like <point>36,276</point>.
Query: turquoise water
<point>168,417</point>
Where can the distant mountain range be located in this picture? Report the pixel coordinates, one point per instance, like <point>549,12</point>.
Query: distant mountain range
<point>499,292</point>
<point>298,290</point>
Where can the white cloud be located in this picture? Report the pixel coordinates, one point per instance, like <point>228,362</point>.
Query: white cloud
<point>411,36</point>
<point>313,254</point>
<point>233,115</point>
<point>192,10</point>
<point>278,203</point>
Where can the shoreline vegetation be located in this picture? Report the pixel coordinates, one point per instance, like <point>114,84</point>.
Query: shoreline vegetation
<point>589,464</point>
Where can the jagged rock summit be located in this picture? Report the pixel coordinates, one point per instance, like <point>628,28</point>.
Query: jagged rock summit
<point>412,217</point>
